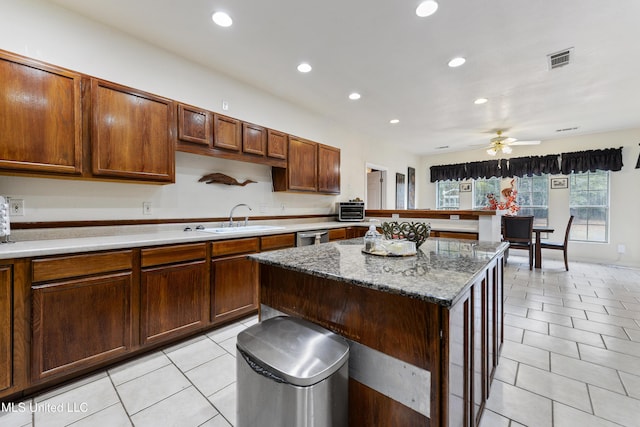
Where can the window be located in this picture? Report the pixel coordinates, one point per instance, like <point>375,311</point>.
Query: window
<point>533,198</point>
<point>589,203</point>
<point>448,195</point>
<point>482,187</point>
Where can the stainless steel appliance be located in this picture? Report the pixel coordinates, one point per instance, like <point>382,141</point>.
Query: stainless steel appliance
<point>313,237</point>
<point>350,211</point>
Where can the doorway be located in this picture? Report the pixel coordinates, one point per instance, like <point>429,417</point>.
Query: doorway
<point>376,187</point>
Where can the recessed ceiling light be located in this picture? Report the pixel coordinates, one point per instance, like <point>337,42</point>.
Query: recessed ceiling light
<point>481,101</point>
<point>394,121</point>
<point>426,8</point>
<point>304,67</point>
<point>456,62</point>
<point>222,19</point>
<point>354,96</point>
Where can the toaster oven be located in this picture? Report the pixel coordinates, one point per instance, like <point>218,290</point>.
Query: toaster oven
<point>350,211</point>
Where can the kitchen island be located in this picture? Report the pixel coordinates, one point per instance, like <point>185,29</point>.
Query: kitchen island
<point>425,331</point>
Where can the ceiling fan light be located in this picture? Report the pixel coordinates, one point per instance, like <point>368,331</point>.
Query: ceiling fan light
<point>506,149</point>
<point>492,151</point>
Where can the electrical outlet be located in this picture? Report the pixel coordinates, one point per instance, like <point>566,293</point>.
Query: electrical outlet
<point>16,207</point>
<point>282,207</point>
<point>262,208</point>
<point>622,249</point>
<point>146,208</point>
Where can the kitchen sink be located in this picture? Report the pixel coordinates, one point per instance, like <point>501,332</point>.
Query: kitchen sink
<point>241,229</point>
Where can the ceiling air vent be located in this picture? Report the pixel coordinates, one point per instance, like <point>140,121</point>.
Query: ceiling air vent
<point>559,59</point>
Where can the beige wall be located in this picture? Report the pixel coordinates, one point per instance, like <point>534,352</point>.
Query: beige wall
<point>46,32</point>
<point>624,228</point>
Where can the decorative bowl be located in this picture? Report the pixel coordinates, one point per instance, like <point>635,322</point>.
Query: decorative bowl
<point>416,232</point>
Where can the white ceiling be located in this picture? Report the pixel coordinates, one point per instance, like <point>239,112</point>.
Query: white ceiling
<point>398,62</point>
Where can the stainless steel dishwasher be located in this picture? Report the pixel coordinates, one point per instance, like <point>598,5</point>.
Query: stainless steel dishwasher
<point>312,237</point>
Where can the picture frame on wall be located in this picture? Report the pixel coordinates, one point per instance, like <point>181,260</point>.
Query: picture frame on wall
<point>400,190</point>
<point>559,182</point>
<point>465,187</point>
<point>411,188</point>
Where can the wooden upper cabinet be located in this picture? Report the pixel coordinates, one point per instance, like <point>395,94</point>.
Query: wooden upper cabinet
<point>277,144</point>
<point>194,125</point>
<point>132,133</point>
<point>254,139</point>
<point>302,168</point>
<point>227,133</point>
<point>328,169</point>
<point>40,117</point>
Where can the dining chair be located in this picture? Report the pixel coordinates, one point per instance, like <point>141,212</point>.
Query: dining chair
<point>561,246</point>
<point>518,231</point>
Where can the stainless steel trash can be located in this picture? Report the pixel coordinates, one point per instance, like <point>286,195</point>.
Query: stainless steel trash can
<point>291,373</point>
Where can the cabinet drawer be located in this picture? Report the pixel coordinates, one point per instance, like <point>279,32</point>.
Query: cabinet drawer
<point>173,254</point>
<point>237,246</point>
<point>278,241</point>
<point>337,234</point>
<point>79,265</point>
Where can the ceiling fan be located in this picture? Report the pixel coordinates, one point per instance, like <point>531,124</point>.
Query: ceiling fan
<point>503,144</point>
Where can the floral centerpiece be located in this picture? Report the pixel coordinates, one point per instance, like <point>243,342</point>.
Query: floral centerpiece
<point>510,205</point>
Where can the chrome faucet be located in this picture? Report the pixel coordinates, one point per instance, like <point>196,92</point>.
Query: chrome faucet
<point>246,218</point>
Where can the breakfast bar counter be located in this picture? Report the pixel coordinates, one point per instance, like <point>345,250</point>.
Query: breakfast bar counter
<point>425,331</point>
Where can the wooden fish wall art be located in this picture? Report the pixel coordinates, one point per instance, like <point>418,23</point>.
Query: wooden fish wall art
<point>220,178</point>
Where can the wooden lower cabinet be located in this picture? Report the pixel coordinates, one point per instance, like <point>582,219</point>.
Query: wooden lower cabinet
<point>174,300</point>
<point>6,294</point>
<point>81,322</point>
<point>234,279</point>
<point>235,287</point>
<point>337,234</point>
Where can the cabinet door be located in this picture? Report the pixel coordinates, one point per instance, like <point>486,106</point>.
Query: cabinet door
<point>227,133</point>
<point>194,125</point>
<point>174,300</point>
<point>302,165</point>
<point>254,139</point>
<point>328,169</point>
<point>40,117</point>
<point>6,365</point>
<point>277,144</point>
<point>235,288</point>
<point>79,323</point>
<point>132,133</point>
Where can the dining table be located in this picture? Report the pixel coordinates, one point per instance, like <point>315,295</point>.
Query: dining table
<point>538,230</point>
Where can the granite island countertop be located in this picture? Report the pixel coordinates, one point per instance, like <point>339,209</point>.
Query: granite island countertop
<point>441,270</point>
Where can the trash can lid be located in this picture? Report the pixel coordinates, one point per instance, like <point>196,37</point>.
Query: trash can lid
<point>300,352</point>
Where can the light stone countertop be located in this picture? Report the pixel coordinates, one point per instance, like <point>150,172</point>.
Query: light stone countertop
<point>42,247</point>
<point>440,271</point>
<point>32,243</point>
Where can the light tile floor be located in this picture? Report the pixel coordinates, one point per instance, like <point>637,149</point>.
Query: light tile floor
<point>571,358</point>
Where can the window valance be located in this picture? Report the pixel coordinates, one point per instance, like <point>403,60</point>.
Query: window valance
<point>609,159</point>
<point>486,169</point>
<point>554,164</point>
<point>448,172</point>
<point>534,165</point>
